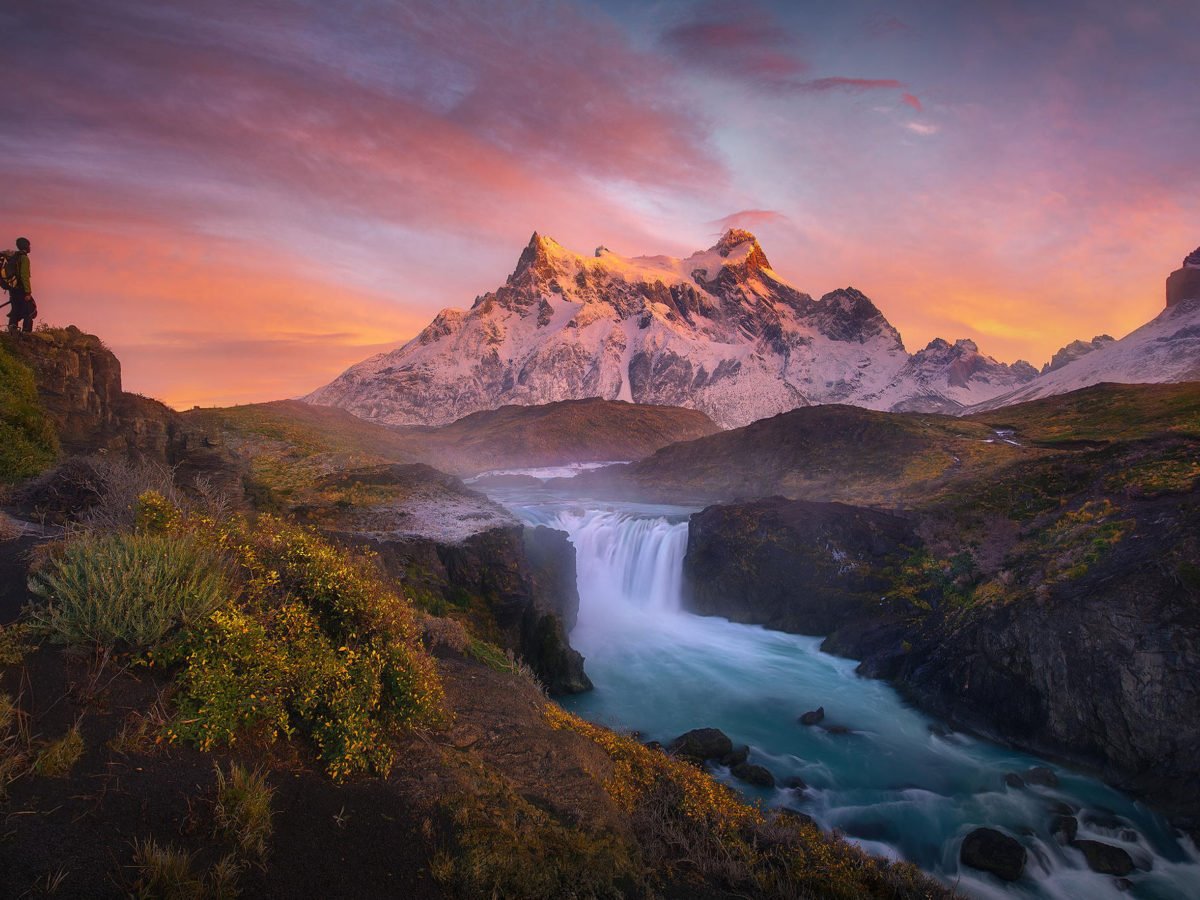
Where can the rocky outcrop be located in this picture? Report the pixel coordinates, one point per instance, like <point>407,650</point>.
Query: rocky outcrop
<point>1074,351</point>
<point>793,565</point>
<point>1184,282</point>
<point>457,552</point>
<point>79,384</point>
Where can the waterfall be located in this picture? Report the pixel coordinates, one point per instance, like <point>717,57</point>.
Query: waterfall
<point>626,563</point>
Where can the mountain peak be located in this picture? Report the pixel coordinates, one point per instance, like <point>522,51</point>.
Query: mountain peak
<point>1193,258</point>
<point>733,238</point>
<point>537,260</point>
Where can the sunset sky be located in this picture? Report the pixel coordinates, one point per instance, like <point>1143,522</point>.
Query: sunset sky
<point>243,198</point>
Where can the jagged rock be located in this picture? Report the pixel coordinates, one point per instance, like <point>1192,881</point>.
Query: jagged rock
<point>993,851</point>
<point>758,776</point>
<point>1105,858</point>
<point>702,744</point>
<point>1074,351</point>
<point>813,716</point>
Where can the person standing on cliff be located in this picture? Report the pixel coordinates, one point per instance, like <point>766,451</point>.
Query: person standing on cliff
<point>22,310</point>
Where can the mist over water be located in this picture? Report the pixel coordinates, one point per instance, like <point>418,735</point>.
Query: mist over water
<point>894,782</point>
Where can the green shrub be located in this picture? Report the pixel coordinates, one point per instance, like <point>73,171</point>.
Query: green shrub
<point>28,442</point>
<point>122,591</point>
<point>316,643</point>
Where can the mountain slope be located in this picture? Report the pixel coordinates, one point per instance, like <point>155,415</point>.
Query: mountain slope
<point>718,331</point>
<point>1165,349</point>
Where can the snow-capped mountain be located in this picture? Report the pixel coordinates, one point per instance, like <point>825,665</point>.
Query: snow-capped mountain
<point>718,331</point>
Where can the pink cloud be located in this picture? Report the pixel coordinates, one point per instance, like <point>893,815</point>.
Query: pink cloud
<point>750,219</point>
<point>912,101</point>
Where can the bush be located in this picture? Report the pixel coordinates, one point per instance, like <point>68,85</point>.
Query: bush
<point>315,644</point>
<point>28,441</point>
<point>126,591</point>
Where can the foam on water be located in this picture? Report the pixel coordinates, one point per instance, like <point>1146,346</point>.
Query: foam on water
<point>890,783</point>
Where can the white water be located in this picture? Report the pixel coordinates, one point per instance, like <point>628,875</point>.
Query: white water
<point>891,783</point>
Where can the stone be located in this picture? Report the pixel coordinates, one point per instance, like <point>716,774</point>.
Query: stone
<point>702,744</point>
<point>755,775</point>
<point>737,757</point>
<point>813,716</point>
<point>795,783</point>
<point>993,851</point>
<point>1041,775</point>
<point>1183,284</point>
<point>1065,828</point>
<point>1105,858</point>
<point>1012,779</point>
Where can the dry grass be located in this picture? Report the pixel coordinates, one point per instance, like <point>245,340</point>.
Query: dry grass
<point>57,758</point>
<point>243,810</point>
<point>166,872</point>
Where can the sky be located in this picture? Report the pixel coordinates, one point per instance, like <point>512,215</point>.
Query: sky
<point>244,198</point>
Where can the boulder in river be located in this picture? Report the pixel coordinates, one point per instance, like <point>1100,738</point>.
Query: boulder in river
<point>737,757</point>
<point>1041,775</point>
<point>1105,858</point>
<point>755,775</point>
<point>813,716</point>
<point>795,783</point>
<point>1013,780</point>
<point>1065,828</point>
<point>993,851</point>
<point>701,744</point>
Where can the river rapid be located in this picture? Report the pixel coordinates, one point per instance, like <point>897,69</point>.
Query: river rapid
<point>890,778</point>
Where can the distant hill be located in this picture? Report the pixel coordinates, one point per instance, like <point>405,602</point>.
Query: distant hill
<point>510,437</point>
<point>896,459</point>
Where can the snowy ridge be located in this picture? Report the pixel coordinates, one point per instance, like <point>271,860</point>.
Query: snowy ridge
<point>717,331</point>
<point>1165,349</point>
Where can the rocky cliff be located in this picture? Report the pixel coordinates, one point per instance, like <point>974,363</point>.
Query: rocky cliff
<point>1055,604</point>
<point>719,331</point>
<point>793,565</point>
<point>79,384</point>
<point>1184,282</point>
<point>458,553</point>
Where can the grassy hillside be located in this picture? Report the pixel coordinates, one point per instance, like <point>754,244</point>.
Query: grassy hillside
<point>1103,412</point>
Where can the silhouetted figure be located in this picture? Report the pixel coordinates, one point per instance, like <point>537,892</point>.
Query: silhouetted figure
<point>22,307</point>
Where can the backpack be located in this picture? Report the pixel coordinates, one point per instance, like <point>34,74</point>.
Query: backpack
<point>10,271</point>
